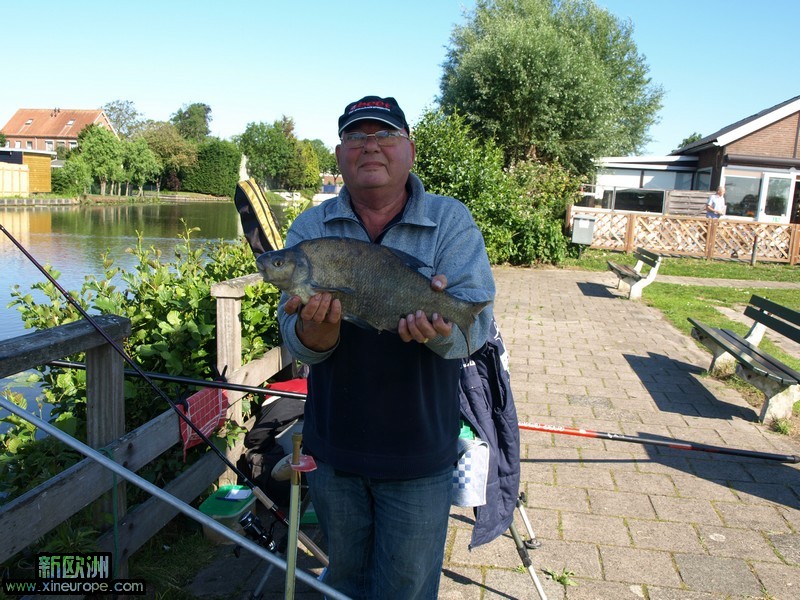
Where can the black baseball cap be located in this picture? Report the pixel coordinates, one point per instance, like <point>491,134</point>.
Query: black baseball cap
<point>374,108</point>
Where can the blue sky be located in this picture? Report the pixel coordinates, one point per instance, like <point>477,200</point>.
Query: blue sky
<point>717,60</point>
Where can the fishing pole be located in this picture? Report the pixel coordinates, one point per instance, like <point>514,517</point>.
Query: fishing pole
<point>222,385</point>
<point>669,443</point>
<point>262,497</point>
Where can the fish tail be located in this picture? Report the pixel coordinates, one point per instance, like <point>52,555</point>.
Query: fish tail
<point>477,308</point>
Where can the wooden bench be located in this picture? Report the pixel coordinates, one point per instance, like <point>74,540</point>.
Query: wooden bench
<point>634,277</point>
<point>779,382</point>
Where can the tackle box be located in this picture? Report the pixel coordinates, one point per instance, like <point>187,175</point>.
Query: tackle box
<point>223,506</point>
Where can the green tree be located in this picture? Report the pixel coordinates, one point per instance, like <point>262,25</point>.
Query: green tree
<point>550,80</point>
<point>2,139</point>
<point>102,152</point>
<point>518,210</point>
<point>272,152</point>
<point>74,178</point>
<point>192,121</point>
<point>217,169</point>
<point>124,117</point>
<point>173,151</point>
<point>325,157</point>
<point>694,137</point>
<point>141,164</point>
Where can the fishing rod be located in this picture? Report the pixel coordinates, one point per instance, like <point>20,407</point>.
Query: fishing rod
<point>222,385</point>
<point>669,443</point>
<point>259,493</point>
<point>159,493</point>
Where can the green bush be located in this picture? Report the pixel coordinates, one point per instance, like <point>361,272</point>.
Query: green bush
<point>216,171</point>
<point>520,211</point>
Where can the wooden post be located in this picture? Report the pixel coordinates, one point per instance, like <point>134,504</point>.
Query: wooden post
<point>630,233</point>
<point>711,238</point>
<point>105,422</point>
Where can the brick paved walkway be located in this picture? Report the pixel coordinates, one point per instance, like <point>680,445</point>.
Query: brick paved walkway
<point>631,521</point>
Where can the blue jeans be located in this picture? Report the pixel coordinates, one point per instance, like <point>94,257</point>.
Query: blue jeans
<point>385,537</point>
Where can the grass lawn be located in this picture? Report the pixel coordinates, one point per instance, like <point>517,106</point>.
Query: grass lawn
<point>595,260</point>
<point>679,302</point>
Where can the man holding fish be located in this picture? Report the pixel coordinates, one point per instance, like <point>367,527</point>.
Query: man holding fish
<point>382,415</point>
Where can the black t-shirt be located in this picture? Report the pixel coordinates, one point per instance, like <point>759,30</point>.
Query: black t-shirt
<point>383,408</point>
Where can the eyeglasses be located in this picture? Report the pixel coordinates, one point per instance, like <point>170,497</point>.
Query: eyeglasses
<point>358,139</point>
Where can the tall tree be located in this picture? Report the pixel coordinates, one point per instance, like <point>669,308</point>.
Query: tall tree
<point>553,80</point>
<point>272,153</point>
<point>102,152</point>
<point>326,158</point>
<point>694,137</point>
<point>127,121</point>
<point>141,163</point>
<point>173,150</point>
<point>192,121</point>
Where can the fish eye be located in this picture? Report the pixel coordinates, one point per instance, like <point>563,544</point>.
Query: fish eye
<point>278,262</point>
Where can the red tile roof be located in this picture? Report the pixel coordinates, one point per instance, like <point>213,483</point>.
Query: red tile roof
<point>53,122</point>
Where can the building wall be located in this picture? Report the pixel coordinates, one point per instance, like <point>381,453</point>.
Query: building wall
<point>39,169</point>
<point>777,140</point>
<point>14,180</point>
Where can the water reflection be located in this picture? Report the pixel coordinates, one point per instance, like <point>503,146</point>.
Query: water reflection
<point>73,240</point>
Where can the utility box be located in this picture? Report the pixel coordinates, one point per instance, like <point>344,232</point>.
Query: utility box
<point>583,229</point>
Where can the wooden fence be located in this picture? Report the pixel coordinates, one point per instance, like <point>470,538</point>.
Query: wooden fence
<point>26,518</point>
<point>673,235</point>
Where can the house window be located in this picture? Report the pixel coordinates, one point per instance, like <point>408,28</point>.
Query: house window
<point>61,144</point>
<point>29,145</point>
<point>70,122</point>
<point>17,144</point>
<point>48,145</point>
<point>73,145</point>
<point>29,121</point>
<point>741,194</point>
<point>702,180</point>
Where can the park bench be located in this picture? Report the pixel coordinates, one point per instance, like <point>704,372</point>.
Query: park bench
<point>779,382</point>
<point>634,277</point>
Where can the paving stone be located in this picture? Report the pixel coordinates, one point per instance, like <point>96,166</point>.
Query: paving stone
<point>685,510</point>
<point>626,504</point>
<point>779,581</point>
<point>634,565</point>
<point>717,574</point>
<point>788,545</point>
<point>581,527</point>
<point>588,476</point>
<point>654,483</point>
<point>752,516</point>
<point>738,543</point>
<point>662,535</point>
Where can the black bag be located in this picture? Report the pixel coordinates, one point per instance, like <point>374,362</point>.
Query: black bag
<point>264,452</point>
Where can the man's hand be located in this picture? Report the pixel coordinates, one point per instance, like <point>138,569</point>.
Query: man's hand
<point>416,326</point>
<point>318,321</point>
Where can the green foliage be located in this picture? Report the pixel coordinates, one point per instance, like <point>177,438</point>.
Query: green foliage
<point>140,163</point>
<point>124,117</point>
<point>694,137</point>
<point>103,153</point>
<point>173,151</point>
<point>564,578</point>
<point>519,210</point>
<point>192,121</point>
<point>325,157</point>
<point>216,171</point>
<point>74,178</point>
<point>274,154</point>
<point>173,322</point>
<point>554,81</point>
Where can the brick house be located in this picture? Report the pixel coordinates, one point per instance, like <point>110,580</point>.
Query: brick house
<point>50,129</point>
<point>757,159</point>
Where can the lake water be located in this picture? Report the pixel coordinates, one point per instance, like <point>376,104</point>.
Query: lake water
<point>72,239</point>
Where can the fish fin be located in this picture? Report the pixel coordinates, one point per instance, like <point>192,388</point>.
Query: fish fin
<point>476,309</point>
<point>409,260</point>
<point>334,290</point>
<point>357,321</point>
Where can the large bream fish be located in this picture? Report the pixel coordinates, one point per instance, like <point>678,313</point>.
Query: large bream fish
<point>376,285</point>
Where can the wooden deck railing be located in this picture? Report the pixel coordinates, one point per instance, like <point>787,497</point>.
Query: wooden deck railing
<point>26,518</point>
<point>673,235</point>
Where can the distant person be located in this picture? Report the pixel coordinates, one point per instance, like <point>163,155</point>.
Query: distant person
<point>715,207</point>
